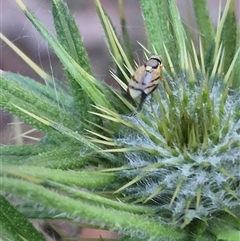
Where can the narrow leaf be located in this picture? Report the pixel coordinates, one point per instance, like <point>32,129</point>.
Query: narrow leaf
<point>15,225</point>
<point>86,81</point>
<point>229,36</point>
<point>236,68</point>
<point>127,43</point>
<point>205,26</point>
<point>124,222</point>
<point>69,38</point>
<point>158,26</point>
<point>179,34</point>
<point>81,178</point>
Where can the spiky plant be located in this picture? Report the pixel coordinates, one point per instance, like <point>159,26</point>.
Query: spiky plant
<point>167,172</point>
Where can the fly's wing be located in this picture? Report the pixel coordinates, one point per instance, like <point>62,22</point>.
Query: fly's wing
<point>151,81</point>
<point>147,79</point>
<point>136,84</point>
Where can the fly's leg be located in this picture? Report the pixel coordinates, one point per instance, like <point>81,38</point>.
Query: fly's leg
<point>143,98</point>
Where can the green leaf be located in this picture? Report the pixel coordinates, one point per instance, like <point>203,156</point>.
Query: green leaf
<point>68,34</point>
<point>123,222</point>
<point>229,235</point>
<point>74,137</point>
<point>81,178</point>
<point>179,34</point>
<point>6,102</point>
<point>54,92</point>
<point>13,94</point>
<point>226,228</point>
<point>123,64</point>
<point>69,38</point>
<point>127,43</point>
<point>205,26</point>
<point>19,154</point>
<point>23,150</point>
<point>15,226</point>
<point>86,81</point>
<point>96,199</point>
<point>229,35</point>
<point>158,26</point>
<point>35,99</point>
<point>236,68</point>
<point>107,25</point>
<point>66,156</point>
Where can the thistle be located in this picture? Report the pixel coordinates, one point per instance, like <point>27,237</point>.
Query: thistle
<point>167,172</point>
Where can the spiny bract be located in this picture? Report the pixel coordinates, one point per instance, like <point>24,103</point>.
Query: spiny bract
<point>187,154</point>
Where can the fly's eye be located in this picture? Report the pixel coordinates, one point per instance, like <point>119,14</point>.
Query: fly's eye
<point>159,61</point>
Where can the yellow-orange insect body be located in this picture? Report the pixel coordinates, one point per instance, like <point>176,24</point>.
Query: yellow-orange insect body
<point>146,78</point>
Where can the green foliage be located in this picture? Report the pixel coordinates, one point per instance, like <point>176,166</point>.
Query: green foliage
<point>159,29</point>
<point>204,23</point>
<point>69,38</point>
<point>169,172</point>
<point>14,226</point>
